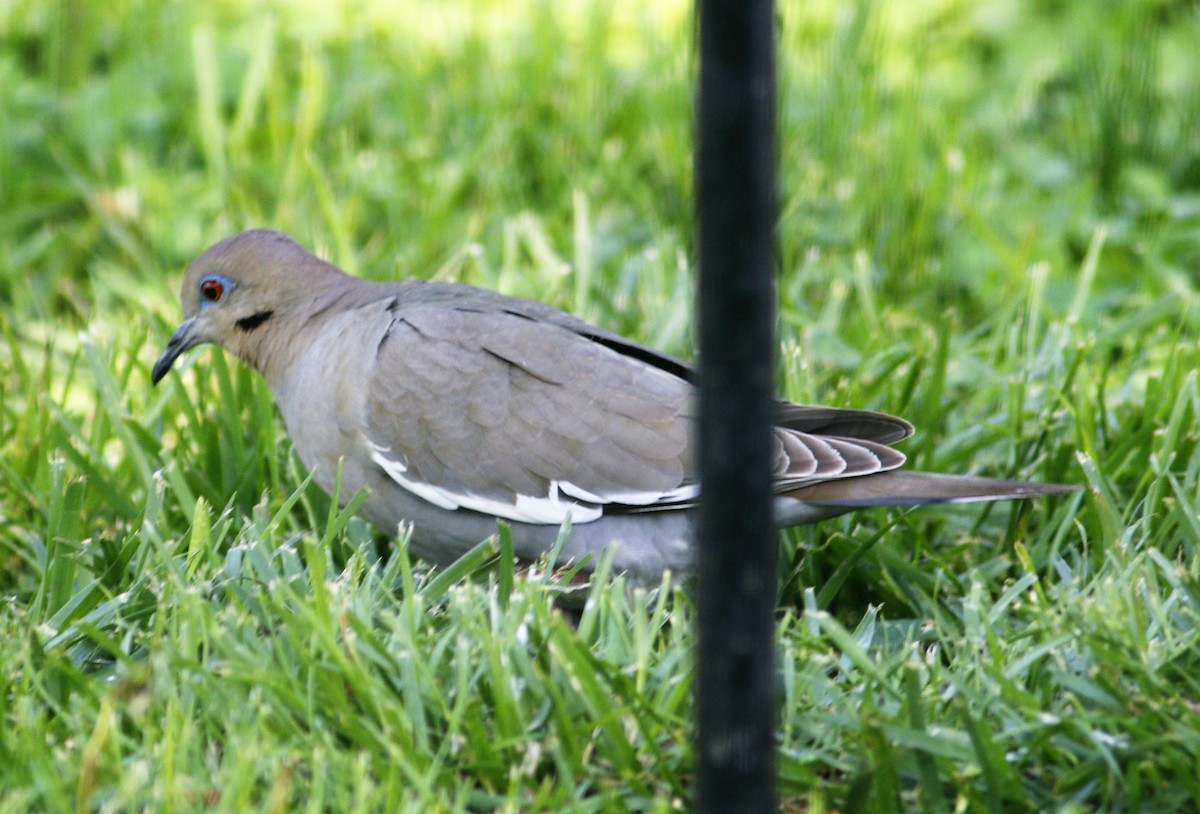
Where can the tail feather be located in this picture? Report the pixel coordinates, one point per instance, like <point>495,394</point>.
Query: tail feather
<point>855,425</point>
<point>904,487</point>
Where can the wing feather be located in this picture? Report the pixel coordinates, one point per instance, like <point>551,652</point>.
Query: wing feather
<point>523,417</point>
<point>528,419</point>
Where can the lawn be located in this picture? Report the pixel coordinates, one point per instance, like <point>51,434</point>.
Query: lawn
<point>989,223</point>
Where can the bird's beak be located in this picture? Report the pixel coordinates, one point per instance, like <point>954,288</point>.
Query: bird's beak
<point>183,338</point>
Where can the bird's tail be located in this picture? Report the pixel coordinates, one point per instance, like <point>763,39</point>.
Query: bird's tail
<point>903,487</point>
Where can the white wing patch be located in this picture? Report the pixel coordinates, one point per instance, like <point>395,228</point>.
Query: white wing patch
<point>396,471</point>
<point>550,509</point>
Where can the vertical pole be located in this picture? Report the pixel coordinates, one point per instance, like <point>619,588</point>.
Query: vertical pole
<point>735,182</point>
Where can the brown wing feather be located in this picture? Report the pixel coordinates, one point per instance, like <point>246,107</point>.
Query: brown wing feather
<point>864,425</point>
<point>497,404</point>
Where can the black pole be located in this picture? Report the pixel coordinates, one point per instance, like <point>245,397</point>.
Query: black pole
<point>735,182</point>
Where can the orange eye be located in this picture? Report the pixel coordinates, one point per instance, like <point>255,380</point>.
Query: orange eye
<point>211,290</point>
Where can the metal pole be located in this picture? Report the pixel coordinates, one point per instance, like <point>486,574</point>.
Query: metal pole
<point>735,182</point>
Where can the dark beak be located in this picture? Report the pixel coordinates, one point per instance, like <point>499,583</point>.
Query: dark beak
<point>180,341</point>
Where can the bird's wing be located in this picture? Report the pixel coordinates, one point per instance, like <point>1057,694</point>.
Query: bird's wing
<point>523,419</point>
<point>528,420</point>
<point>863,425</point>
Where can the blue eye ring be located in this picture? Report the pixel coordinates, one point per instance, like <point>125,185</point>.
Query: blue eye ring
<point>211,289</point>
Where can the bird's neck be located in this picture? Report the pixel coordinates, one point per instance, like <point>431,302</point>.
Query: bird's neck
<point>274,344</point>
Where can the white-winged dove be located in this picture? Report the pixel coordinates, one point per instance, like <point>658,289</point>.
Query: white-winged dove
<point>456,406</point>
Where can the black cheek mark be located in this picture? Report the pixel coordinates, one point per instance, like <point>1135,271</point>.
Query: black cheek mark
<point>251,322</point>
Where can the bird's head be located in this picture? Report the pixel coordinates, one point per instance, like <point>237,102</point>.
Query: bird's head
<point>235,288</point>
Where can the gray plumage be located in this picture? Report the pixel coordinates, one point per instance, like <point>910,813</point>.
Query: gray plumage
<point>456,406</point>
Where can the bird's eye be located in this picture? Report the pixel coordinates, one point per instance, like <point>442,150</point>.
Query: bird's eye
<point>211,290</point>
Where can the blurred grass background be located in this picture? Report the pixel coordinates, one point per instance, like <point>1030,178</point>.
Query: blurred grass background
<point>989,222</point>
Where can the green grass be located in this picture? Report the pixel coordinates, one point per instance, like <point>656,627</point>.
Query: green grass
<point>989,222</point>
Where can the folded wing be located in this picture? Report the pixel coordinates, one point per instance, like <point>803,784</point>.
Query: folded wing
<point>524,419</point>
